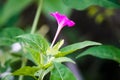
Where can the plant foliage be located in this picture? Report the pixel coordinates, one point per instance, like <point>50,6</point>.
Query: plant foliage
<point>83,4</point>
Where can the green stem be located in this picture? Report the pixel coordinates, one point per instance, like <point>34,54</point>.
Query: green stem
<point>24,61</point>
<point>41,76</point>
<point>35,22</point>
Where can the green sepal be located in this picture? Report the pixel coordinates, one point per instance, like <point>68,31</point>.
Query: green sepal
<point>55,49</point>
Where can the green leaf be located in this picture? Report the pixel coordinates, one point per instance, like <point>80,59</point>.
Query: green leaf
<point>27,71</point>
<point>83,4</point>
<point>11,8</point>
<point>36,56</point>
<point>43,72</point>
<point>103,51</point>
<point>8,35</point>
<point>74,47</point>
<point>55,5</point>
<point>6,41</point>
<point>63,59</point>
<point>34,41</point>
<point>11,32</point>
<point>61,72</point>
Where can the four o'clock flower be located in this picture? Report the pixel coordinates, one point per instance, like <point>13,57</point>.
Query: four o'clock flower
<point>62,21</point>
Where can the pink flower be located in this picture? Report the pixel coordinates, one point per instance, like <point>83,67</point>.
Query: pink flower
<point>62,21</point>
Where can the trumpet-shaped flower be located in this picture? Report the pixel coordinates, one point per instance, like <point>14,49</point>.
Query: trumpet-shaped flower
<point>62,21</point>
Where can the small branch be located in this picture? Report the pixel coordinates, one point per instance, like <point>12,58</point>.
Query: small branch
<point>35,22</point>
<point>24,61</point>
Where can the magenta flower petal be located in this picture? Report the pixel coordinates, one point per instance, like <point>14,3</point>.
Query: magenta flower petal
<point>62,20</point>
<point>70,23</point>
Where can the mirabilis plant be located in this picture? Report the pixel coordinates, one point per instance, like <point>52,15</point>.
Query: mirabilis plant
<point>48,58</point>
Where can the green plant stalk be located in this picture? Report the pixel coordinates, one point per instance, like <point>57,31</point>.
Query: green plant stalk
<point>36,19</point>
<point>24,61</point>
<point>41,76</point>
